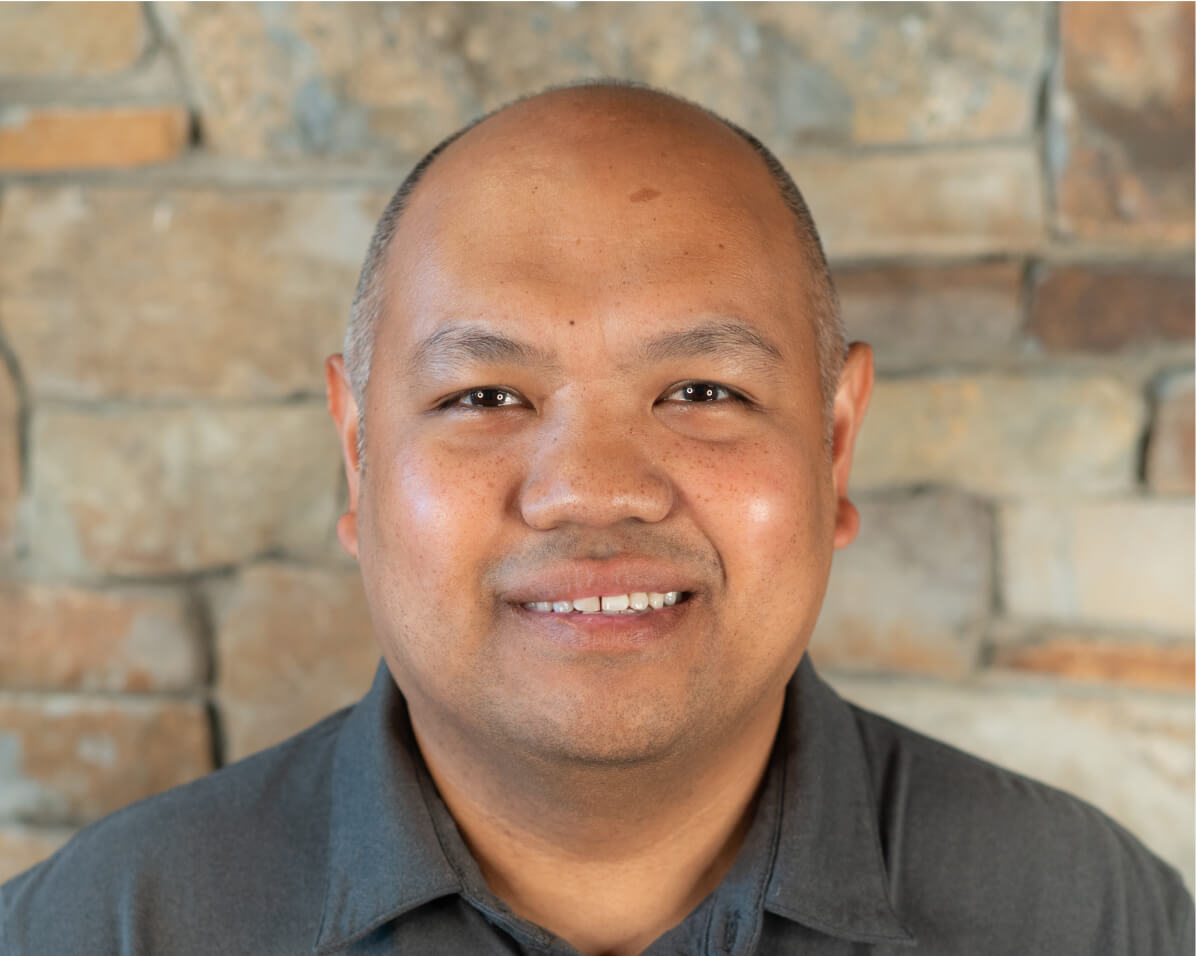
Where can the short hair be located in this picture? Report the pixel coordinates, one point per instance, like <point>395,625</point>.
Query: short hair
<point>370,296</point>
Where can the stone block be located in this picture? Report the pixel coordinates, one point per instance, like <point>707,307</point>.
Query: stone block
<point>921,316</point>
<point>1129,753</point>
<point>69,39</point>
<point>1001,435</point>
<point>10,459</point>
<point>71,759</point>
<point>1123,121</point>
<point>45,138</point>
<point>62,637</point>
<point>949,202</point>
<point>160,490</point>
<point>293,644</point>
<point>1172,448</point>
<point>1105,310</point>
<point>213,293</point>
<point>23,846</point>
<point>1126,563</point>
<point>1112,659</point>
<point>911,593</point>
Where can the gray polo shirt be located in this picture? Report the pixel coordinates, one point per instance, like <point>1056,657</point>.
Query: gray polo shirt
<point>868,839</point>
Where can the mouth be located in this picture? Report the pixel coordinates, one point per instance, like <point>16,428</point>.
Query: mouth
<point>630,603</point>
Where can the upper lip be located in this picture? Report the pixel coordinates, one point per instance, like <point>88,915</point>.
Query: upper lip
<point>589,578</point>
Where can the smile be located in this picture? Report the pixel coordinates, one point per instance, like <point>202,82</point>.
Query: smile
<point>635,602</point>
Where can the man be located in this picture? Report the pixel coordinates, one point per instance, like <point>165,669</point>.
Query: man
<point>597,420</point>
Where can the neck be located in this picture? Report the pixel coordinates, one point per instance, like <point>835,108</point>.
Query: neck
<point>608,858</point>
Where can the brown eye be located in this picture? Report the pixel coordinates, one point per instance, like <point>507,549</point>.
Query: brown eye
<point>488,397</point>
<point>695,393</point>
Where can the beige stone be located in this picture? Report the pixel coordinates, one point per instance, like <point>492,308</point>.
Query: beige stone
<point>51,138</point>
<point>159,490</point>
<point>23,846</point>
<point>1117,563</point>
<point>69,39</point>
<point>911,593</point>
<point>57,636</point>
<point>10,460</point>
<point>1078,657</point>
<point>70,758</point>
<point>1001,435</point>
<point>1172,449</point>
<point>294,644</point>
<point>1130,754</point>
<point>216,293</point>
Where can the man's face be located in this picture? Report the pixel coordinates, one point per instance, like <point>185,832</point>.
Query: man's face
<point>657,427</point>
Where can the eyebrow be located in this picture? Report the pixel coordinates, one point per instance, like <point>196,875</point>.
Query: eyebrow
<point>458,345</point>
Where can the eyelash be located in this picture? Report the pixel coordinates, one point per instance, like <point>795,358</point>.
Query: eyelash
<point>454,401</point>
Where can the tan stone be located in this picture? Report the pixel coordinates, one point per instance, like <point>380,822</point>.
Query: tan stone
<point>68,758</point>
<point>69,39</point>
<point>10,460</point>
<point>912,591</point>
<point>919,316</point>
<point>23,846</point>
<point>120,639</point>
<point>157,490</point>
<point>193,292</point>
<point>1172,449</point>
<point>99,138</point>
<point>1103,660</point>
<point>1125,108</point>
<point>1001,435</point>
<point>950,202</point>
<point>294,645</point>
<point>1125,563</point>
<point>1129,753</point>
<point>1086,309</point>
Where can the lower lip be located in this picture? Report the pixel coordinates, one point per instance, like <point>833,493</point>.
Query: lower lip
<point>605,633</point>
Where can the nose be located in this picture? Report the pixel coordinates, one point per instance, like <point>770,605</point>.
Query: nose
<point>595,471</point>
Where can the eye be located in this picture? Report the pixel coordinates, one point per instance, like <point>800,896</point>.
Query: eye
<point>488,396</point>
<point>702,393</point>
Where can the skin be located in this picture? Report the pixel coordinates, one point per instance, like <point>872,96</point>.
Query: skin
<point>603,795</point>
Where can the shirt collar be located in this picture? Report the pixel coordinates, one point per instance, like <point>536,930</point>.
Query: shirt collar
<point>829,873</point>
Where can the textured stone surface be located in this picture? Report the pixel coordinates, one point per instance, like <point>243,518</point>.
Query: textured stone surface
<point>390,80</point>
<point>1125,108</point>
<point>10,459</point>
<point>1001,435</point>
<point>917,316</point>
<point>1118,563</point>
<point>1081,657</point>
<point>912,591</point>
<point>1128,753</point>
<point>180,489</point>
<point>947,202</point>
<point>68,758</point>
<point>62,138</point>
<point>22,846</point>
<point>69,39</point>
<point>204,292</point>
<point>121,639</point>
<point>294,644</point>
<point>1101,310</point>
<point>1169,456</point>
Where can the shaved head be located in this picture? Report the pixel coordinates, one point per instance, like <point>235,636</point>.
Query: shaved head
<point>567,113</point>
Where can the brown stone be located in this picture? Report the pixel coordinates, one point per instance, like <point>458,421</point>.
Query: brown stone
<point>193,292</point>
<point>1172,448</point>
<point>99,138</point>
<point>294,644</point>
<point>122,639</point>
<point>160,490</point>
<point>68,758</point>
<point>1151,666</point>
<point>10,459</point>
<point>1001,435</point>
<point>1129,753</point>
<point>1118,563</point>
<point>1101,310</point>
<point>69,39</point>
<point>912,591</point>
<point>919,316</point>
<point>23,846</point>
<point>1126,112</point>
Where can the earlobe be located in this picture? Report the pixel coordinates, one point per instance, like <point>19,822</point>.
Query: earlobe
<point>851,402</point>
<point>343,408</point>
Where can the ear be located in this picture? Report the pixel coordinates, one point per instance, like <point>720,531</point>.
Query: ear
<point>343,408</point>
<point>851,402</point>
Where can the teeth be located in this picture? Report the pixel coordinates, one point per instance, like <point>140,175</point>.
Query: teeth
<point>610,604</point>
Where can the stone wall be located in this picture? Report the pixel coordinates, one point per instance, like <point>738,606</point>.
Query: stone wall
<point>186,191</point>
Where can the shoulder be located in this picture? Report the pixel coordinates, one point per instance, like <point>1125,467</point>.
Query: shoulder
<point>971,841</point>
<point>251,835</point>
